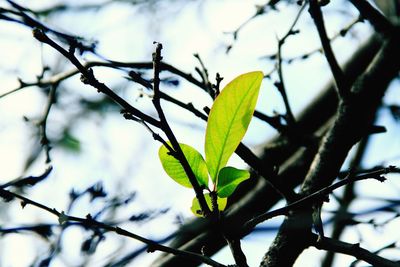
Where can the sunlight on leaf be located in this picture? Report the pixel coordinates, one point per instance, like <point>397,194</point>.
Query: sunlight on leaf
<point>228,179</point>
<point>175,170</point>
<point>196,206</point>
<point>229,119</point>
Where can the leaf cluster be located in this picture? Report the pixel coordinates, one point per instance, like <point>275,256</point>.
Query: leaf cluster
<point>227,124</point>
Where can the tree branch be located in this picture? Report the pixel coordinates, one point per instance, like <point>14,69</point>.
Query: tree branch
<point>357,114</point>
<point>354,250</point>
<point>378,21</point>
<point>316,14</point>
<point>177,151</point>
<point>92,223</point>
<point>89,78</point>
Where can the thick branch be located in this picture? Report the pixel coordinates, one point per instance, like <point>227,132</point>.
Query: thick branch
<point>353,121</point>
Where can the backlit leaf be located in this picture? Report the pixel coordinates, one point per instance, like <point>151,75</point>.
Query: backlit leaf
<point>229,119</point>
<point>175,170</point>
<point>228,179</point>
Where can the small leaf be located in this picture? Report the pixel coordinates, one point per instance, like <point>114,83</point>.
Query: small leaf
<point>229,119</point>
<point>196,205</point>
<point>70,142</point>
<point>228,179</point>
<point>175,170</point>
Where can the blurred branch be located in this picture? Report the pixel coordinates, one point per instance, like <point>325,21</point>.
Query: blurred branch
<point>378,21</point>
<point>23,18</point>
<point>89,222</point>
<point>60,77</point>
<point>30,180</point>
<point>89,78</point>
<point>42,123</point>
<point>43,230</point>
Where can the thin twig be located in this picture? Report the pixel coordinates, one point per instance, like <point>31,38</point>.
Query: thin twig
<point>92,223</point>
<point>25,19</point>
<point>260,10</point>
<point>281,84</point>
<point>341,84</point>
<point>44,141</point>
<point>318,196</point>
<point>354,250</point>
<point>177,151</point>
<point>58,78</point>
<point>89,78</point>
<point>340,33</point>
<point>203,72</point>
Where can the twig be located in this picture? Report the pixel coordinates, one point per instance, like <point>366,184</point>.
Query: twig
<point>318,196</point>
<point>316,13</point>
<point>203,72</point>
<point>109,64</point>
<point>340,33</point>
<point>353,250</point>
<point>260,10</point>
<point>89,78</point>
<point>177,151</point>
<point>58,78</point>
<point>25,19</point>
<point>44,141</point>
<point>30,180</point>
<point>281,84</point>
<point>92,223</point>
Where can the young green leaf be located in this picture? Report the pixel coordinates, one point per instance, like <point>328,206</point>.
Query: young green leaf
<point>228,179</point>
<point>229,119</point>
<point>196,206</point>
<point>175,170</point>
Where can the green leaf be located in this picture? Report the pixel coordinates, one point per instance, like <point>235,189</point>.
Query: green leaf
<point>228,179</point>
<point>196,205</point>
<point>229,119</point>
<point>70,142</point>
<point>175,170</point>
